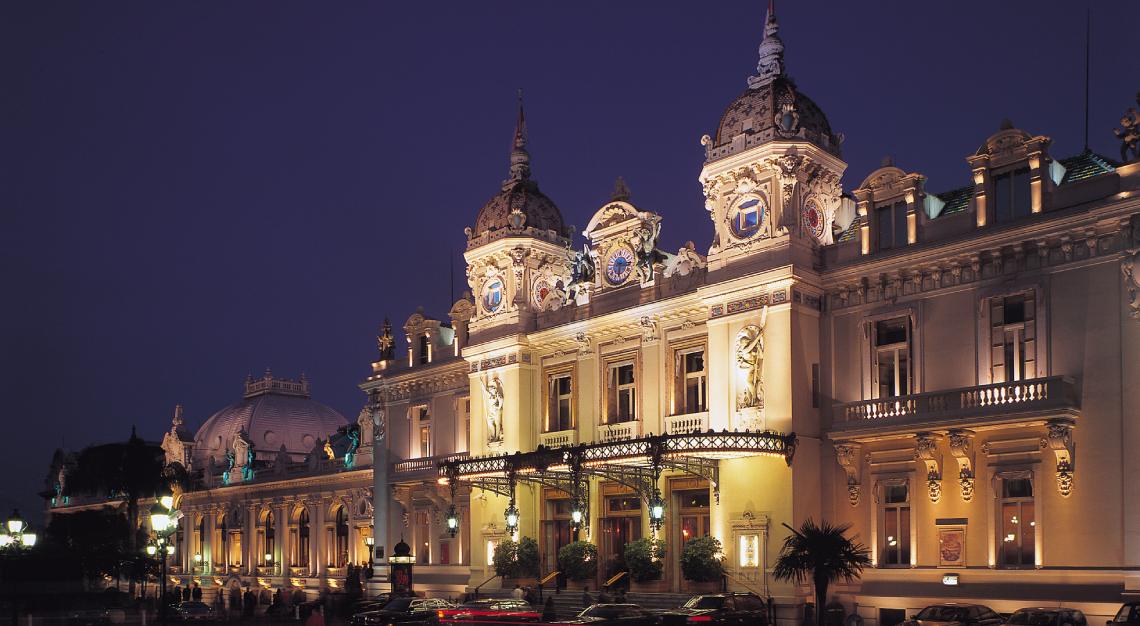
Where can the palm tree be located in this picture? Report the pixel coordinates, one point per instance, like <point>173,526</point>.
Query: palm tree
<point>823,554</point>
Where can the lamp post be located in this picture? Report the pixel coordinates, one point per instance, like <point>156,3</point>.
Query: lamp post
<point>163,523</point>
<point>16,538</point>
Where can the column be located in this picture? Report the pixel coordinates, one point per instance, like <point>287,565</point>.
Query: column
<point>281,549</point>
<point>317,535</point>
<point>208,541</point>
<point>249,540</point>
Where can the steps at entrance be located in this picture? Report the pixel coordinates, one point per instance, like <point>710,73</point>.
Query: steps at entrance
<point>658,600</point>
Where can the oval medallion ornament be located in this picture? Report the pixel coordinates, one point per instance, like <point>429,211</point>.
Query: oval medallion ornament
<point>619,265</point>
<point>747,216</point>
<point>492,295</point>
<point>542,290</point>
<point>813,220</point>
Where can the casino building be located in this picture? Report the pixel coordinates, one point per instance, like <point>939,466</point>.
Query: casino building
<point>951,367</point>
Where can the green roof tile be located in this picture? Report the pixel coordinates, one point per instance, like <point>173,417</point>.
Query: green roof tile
<point>957,200</point>
<point>1085,165</point>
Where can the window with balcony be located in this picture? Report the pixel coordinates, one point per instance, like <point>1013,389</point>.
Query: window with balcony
<point>891,369</point>
<point>1013,346</point>
<point>621,392</point>
<point>1017,541</point>
<point>890,222</point>
<point>894,532</point>
<point>463,408</point>
<point>1011,195</point>
<point>422,429</point>
<point>690,378</point>
<point>559,402</point>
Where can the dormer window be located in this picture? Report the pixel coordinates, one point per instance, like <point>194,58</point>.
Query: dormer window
<point>425,349</point>
<point>1011,195</point>
<point>890,221</point>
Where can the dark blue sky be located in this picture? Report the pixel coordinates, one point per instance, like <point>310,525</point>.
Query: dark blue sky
<point>193,191</point>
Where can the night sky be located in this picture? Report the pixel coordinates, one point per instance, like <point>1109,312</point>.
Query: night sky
<point>190,192</point>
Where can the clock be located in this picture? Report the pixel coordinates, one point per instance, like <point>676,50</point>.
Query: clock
<point>619,264</point>
<point>813,219</point>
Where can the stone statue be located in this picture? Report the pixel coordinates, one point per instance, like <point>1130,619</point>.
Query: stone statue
<point>1129,134</point>
<point>493,399</point>
<point>644,242</point>
<point>750,361</point>
<point>582,271</point>
<point>1130,267</point>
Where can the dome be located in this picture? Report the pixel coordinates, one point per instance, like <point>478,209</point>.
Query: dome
<point>772,111</point>
<point>274,412</point>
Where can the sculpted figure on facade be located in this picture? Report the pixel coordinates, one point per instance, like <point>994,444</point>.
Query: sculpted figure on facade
<point>644,242</point>
<point>582,272</point>
<point>1130,267</point>
<point>750,362</point>
<point>687,261</point>
<point>1129,133</point>
<point>493,399</point>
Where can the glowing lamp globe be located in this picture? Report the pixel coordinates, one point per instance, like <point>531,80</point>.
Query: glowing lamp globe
<point>152,549</point>
<point>16,524</point>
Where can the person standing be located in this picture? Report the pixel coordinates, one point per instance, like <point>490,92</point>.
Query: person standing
<point>517,593</point>
<point>548,612</point>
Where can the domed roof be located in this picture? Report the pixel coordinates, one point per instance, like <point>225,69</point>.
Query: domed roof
<point>273,413</point>
<point>519,207</point>
<point>772,108</point>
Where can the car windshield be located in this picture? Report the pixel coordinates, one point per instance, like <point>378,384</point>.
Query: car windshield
<point>705,602</point>
<point>942,614</point>
<point>399,604</point>
<point>604,611</point>
<point>1032,618</point>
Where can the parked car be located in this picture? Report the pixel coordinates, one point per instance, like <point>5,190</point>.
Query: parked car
<point>720,609</point>
<point>406,611</point>
<point>1128,614</point>
<point>1046,616</point>
<point>194,610</point>
<point>372,604</point>
<point>955,613</point>
<point>616,615</point>
<point>492,609</point>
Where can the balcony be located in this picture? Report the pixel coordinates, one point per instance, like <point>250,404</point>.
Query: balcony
<point>336,572</point>
<point>619,431</point>
<point>422,468</point>
<point>687,423</point>
<point>1021,401</point>
<point>558,438</point>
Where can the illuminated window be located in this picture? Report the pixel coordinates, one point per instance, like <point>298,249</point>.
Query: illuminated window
<point>303,539</point>
<point>463,407</point>
<point>1017,542</point>
<point>1011,195</point>
<point>894,533</point>
<point>891,369</point>
<point>422,430</point>
<point>341,533</point>
<point>749,550</point>
<point>691,381</point>
<point>890,223</point>
<point>621,393</point>
<point>560,407</point>
<point>1013,346</point>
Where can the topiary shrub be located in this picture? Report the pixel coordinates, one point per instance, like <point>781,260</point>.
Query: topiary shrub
<point>516,559</point>
<point>701,560</point>
<point>578,560</point>
<point>645,559</point>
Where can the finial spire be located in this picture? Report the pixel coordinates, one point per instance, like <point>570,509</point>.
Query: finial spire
<point>771,51</point>
<point>520,158</point>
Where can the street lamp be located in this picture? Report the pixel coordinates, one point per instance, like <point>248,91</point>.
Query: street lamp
<point>656,511</point>
<point>163,522</point>
<point>512,515</point>
<point>16,537</point>
<point>452,520</point>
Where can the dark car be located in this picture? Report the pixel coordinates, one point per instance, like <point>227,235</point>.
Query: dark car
<point>1046,616</point>
<point>374,604</point>
<point>1128,614</point>
<point>194,610</point>
<point>406,611</point>
<point>727,609</point>
<point>616,615</point>
<point>955,613</point>
<point>492,609</point>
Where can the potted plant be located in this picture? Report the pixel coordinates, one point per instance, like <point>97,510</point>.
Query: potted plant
<point>516,562</point>
<point>645,559</point>
<point>702,564</point>
<point>578,561</point>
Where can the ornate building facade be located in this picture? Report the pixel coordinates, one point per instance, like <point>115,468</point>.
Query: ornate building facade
<point>953,373</point>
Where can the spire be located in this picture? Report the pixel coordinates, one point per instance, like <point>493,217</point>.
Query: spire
<point>771,51</point>
<point>520,158</point>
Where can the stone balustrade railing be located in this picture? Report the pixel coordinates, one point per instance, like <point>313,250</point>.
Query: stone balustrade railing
<point>1037,393</point>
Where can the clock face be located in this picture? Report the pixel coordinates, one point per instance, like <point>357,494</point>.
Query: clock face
<point>492,295</point>
<point>747,216</point>
<point>813,220</point>
<point>619,265</point>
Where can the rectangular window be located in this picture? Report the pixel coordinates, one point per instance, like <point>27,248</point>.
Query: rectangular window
<point>560,408</point>
<point>425,441</point>
<point>894,536</point>
<point>621,393</point>
<point>1011,195</point>
<point>891,369</point>
<point>422,430</point>
<point>465,411</point>
<point>425,350</point>
<point>1013,346</point>
<point>691,381</point>
<point>1017,543</point>
<point>890,220</point>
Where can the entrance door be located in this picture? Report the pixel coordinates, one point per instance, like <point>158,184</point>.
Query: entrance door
<point>555,532</point>
<point>693,518</point>
<point>621,525</point>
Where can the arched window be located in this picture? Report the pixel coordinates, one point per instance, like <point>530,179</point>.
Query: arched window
<point>223,557</point>
<point>303,539</point>
<point>200,548</point>
<point>341,537</point>
<point>270,539</point>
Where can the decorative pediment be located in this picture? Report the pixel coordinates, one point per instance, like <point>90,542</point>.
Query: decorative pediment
<point>611,214</point>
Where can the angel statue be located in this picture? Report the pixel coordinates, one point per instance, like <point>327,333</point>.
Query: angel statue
<point>750,362</point>
<point>493,398</point>
<point>582,271</point>
<point>644,241</point>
